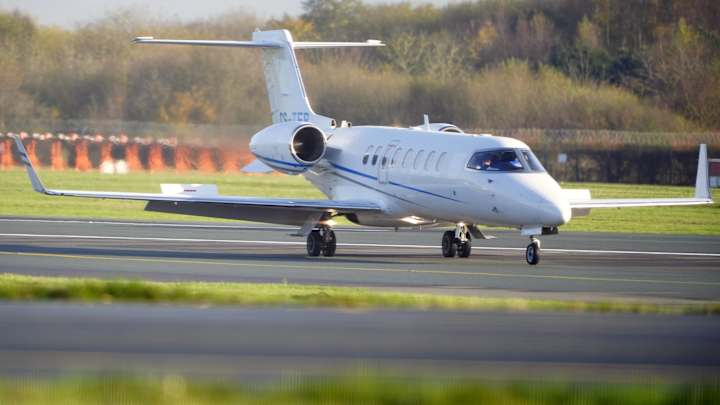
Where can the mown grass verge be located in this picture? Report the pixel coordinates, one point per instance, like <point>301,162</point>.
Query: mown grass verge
<point>18,199</point>
<point>20,287</point>
<point>175,389</point>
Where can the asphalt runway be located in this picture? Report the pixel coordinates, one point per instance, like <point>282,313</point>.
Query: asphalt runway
<point>48,338</point>
<point>573,265</point>
<point>243,343</point>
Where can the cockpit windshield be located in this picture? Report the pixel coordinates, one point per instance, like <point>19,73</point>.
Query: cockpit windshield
<point>505,160</point>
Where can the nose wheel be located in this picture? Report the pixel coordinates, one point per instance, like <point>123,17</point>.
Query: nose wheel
<point>321,241</point>
<point>532,252</point>
<point>457,242</point>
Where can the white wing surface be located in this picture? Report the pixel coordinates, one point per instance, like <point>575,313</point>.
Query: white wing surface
<point>580,199</point>
<point>274,210</point>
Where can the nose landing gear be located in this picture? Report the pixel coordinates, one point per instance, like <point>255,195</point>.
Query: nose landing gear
<point>323,241</point>
<point>532,252</point>
<point>457,242</point>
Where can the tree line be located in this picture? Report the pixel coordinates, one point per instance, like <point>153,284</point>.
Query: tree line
<point>646,65</point>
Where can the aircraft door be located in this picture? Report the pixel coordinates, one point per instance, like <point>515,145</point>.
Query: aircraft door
<point>384,164</point>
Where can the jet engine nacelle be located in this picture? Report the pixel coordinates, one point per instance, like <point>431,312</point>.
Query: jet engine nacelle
<point>440,127</point>
<point>289,147</point>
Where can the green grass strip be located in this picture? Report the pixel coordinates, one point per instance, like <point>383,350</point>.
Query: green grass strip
<point>174,389</point>
<point>18,199</point>
<point>20,287</point>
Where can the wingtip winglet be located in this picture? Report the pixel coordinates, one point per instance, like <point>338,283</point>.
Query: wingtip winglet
<point>702,180</point>
<point>34,179</point>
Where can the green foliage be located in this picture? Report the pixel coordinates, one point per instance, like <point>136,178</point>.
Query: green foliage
<point>19,199</point>
<point>514,95</point>
<point>600,53</point>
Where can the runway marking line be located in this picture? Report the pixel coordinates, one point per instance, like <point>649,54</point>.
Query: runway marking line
<point>268,242</point>
<point>366,269</point>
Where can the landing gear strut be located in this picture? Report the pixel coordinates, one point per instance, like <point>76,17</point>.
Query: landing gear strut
<point>321,241</point>
<point>457,242</point>
<point>532,252</point>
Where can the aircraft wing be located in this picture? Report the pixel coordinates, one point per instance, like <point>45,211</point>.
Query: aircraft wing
<point>637,202</point>
<point>580,200</point>
<point>286,211</point>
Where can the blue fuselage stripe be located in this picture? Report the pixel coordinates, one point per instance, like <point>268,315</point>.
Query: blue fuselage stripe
<point>349,170</point>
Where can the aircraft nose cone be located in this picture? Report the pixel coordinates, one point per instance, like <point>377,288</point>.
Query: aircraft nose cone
<point>555,213</point>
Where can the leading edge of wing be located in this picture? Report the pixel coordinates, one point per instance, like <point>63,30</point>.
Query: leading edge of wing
<point>322,205</point>
<point>342,206</point>
<point>638,202</point>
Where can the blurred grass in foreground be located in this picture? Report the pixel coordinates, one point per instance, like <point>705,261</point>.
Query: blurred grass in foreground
<point>20,287</point>
<point>174,389</point>
<point>18,199</point>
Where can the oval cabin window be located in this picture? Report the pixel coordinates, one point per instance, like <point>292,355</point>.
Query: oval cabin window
<point>418,159</point>
<point>430,160</point>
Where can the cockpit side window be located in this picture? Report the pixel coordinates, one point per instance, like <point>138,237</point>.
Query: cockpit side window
<point>502,160</point>
<point>532,161</point>
<point>505,160</point>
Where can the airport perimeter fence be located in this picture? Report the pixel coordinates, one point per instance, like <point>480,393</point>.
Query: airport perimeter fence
<point>569,155</point>
<point>617,156</point>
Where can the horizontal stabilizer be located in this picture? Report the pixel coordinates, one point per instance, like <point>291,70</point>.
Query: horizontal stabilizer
<point>202,42</point>
<point>316,45</point>
<point>256,166</point>
<point>258,44</point>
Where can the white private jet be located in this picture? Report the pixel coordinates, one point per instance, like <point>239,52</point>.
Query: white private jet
<point>433,174</point>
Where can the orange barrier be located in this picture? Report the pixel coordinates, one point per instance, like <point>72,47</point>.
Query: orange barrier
<point>60,151</point>
<point>155,157</point>
<point>7,156</point>
<point>106,152</point>
<point>132,157</point>
<point>82,160</point>
<point>31,148</point>
<point>57,159</point>
<point>229,160</point>
<point>183,158</point>
<point>205,160</point>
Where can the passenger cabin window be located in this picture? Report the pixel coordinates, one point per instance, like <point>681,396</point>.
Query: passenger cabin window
<point>407,159</point>
<point>366,156</point>
<point>440,161</point>
<point>430,160</point>
<point>396,158</point>
<point>505,160</point>
<point>377,153</point>
<point>418,159</point>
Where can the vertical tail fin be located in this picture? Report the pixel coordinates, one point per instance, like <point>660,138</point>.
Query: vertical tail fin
<point>286,92</point>
<point>285,88</point>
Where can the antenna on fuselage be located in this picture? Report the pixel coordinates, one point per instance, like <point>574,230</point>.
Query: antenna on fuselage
<point>426,121</point>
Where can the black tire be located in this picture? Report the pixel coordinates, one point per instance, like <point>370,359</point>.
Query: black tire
<point>330,245</point>
<point>532,254</point>
<point>448,244</point>
<point>465,248</point>
<point>314,244</point>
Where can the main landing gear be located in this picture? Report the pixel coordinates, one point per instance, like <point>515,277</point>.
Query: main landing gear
<point>457,242</point>
<point>532,252</point>
<point>321,241</point>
